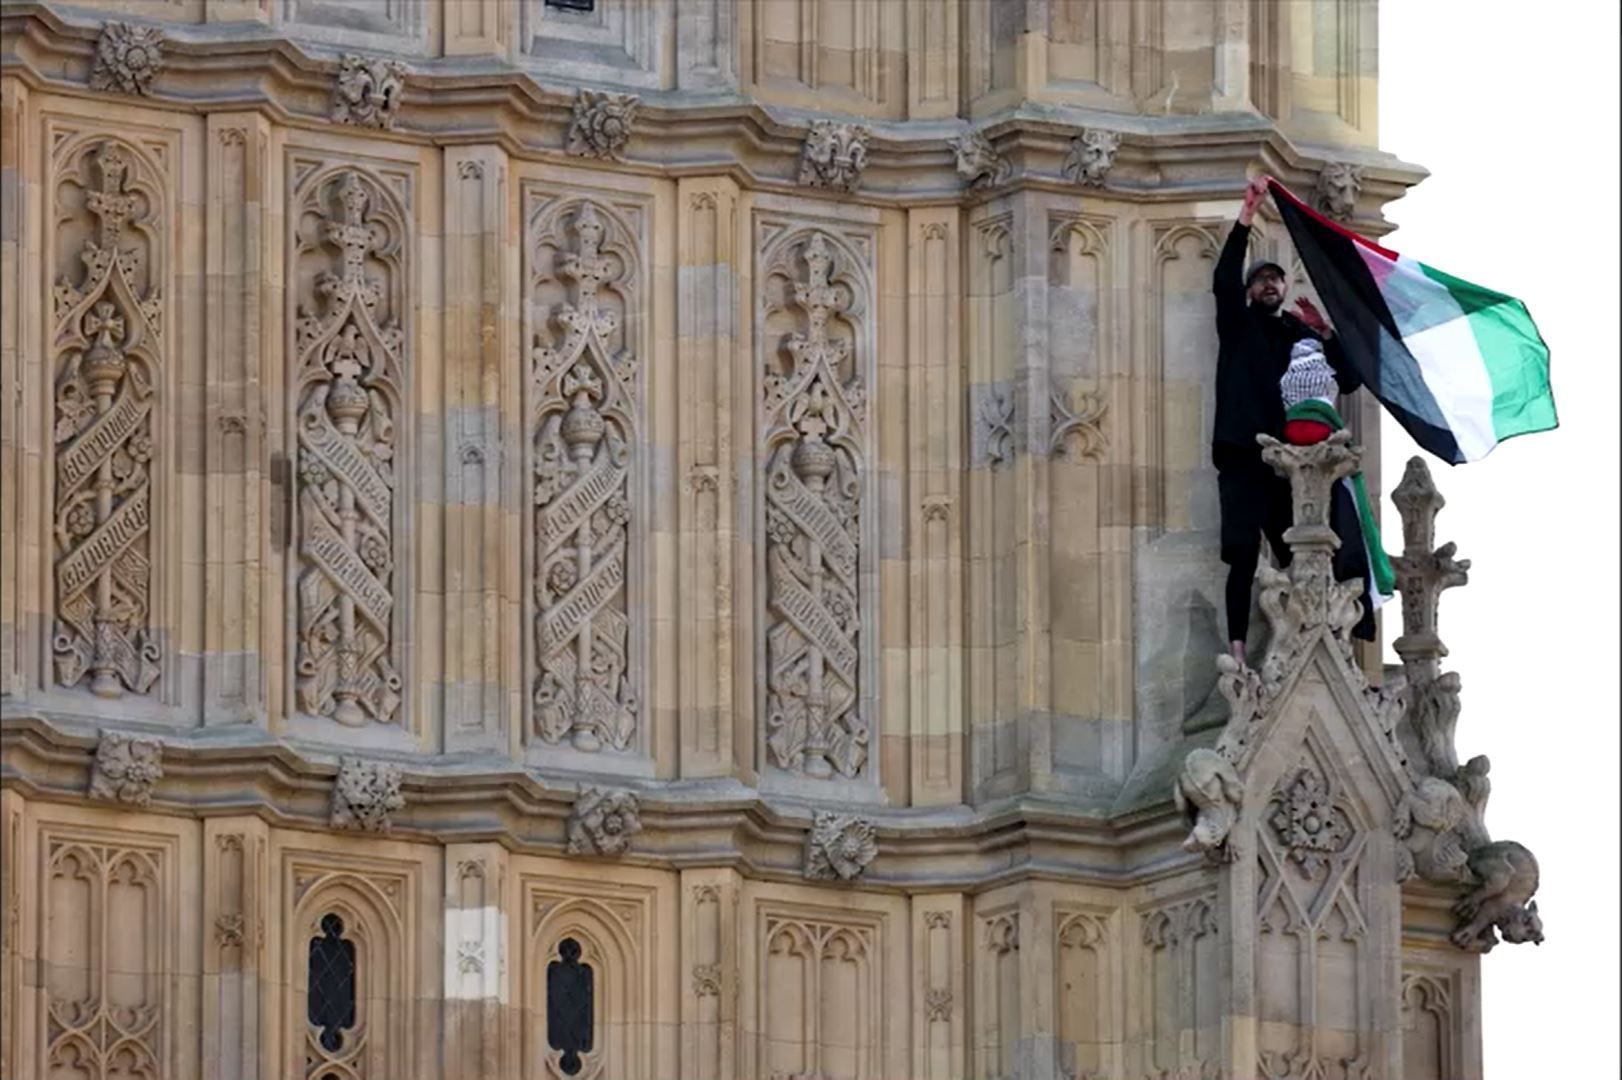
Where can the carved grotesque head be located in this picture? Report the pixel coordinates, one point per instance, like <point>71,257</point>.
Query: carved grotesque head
<point>1338,188</point>
<point>1522,924</point>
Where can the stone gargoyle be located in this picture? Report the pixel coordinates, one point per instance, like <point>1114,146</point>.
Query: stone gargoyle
<point>1506,875</point>
<point>1209,788</point>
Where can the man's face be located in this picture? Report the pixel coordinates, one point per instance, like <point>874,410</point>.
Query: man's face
<point>1267,291</point>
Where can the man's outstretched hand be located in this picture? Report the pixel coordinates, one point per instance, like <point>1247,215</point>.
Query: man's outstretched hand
<point>1308,313</point>
<point>1254,194</point>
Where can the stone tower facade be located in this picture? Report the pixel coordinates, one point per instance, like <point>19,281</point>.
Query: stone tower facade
<point>675,539</point>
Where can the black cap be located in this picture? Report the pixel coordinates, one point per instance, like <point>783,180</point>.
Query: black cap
<point>1250,275</point>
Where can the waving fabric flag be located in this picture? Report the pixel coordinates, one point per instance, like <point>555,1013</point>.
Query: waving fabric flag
<point>1462,368</point>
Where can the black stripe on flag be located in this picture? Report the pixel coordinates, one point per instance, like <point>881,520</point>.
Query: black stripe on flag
<point>1368,334</point>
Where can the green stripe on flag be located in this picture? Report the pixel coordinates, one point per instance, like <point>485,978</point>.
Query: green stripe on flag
<point>1513,352</point>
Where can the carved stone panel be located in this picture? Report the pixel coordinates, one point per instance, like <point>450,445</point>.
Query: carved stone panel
<point>1312,934</point>
<point>108,911</point>
<point>1182,988</point>
<point>352,254</point>
<point>814,458</point>
<point>584,432</point>
<point>107,340</point>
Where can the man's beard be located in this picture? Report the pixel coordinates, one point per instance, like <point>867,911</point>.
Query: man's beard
<point>1268,307</point>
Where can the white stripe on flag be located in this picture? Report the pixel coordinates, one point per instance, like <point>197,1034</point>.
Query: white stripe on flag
<point>1451,365</point>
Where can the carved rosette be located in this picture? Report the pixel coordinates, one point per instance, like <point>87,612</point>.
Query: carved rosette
<point>128,58</point>
<point>1307,823</point>
<point>107,339</point>
<point>126,768</point>
<point>978,162</point>
<point>1339,185</point>
<point>601,125</point>
<point>834,156</point>
<point>603,822</point>
<point>839,847</point>
<point>815,413</point>
<point>365,794</point>
<point>351,361</point>
<point>1092,155</point>
<point>368,91</point>
<point>583,424</point>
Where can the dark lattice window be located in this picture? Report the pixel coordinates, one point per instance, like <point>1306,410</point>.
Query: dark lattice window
<point>573,5</point>
<point>569,1006</point>
<point>332,983</point>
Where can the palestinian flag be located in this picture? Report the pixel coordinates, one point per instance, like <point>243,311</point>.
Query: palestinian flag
<point>1462,368</point>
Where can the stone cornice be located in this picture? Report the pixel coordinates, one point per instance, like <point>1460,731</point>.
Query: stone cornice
<point>220,67</point>
<point>685,824</point>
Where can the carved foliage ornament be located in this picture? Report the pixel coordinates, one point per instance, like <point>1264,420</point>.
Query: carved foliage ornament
<point>368,91</point>
<point>978,162</point>
<point>351,360</point>
<point>602,124</point>
<point>839,847</point>
<point>128,58</point>
<point>603,822</point>
<point>1092,154</point>
<point>107,337</point>
<point>126,768</point>
<point>365,794</point>
<point>834,156</point>
<point>815,413</point>
<point>583,424</point>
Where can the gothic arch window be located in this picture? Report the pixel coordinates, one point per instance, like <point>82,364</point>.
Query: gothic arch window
<point>331,976</point>
<point>569,1006</point>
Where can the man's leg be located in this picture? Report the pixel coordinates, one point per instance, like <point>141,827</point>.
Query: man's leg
<point>1241,496</point>
<point>1279,516</point>
<point>1242,561</point>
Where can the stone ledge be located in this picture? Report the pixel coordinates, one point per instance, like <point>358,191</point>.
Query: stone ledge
<point>681,133</point>
<point>685,824</point>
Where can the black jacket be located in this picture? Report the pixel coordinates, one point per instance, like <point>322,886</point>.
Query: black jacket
<point>1253,353</point>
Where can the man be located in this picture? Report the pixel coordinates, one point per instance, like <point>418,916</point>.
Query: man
<point>1255,335</point>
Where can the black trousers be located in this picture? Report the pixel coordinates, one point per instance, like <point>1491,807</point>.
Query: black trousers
<point>1255,502</point>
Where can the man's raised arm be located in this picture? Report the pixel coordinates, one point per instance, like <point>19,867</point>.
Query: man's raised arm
<point>1228,282</point>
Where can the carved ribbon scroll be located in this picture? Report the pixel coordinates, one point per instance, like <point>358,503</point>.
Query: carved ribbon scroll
<point>815,413</point>
<point>584,427</point>
<point>351,356</point>
<point>107,336</point>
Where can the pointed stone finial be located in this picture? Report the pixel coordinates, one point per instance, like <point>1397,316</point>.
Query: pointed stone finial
<point>1423,571</point>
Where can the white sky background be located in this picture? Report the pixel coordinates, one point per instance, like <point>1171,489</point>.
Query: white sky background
<point>1512,106</point>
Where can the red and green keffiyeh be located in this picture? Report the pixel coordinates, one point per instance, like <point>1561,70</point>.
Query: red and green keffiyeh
<point>1383,582</point>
